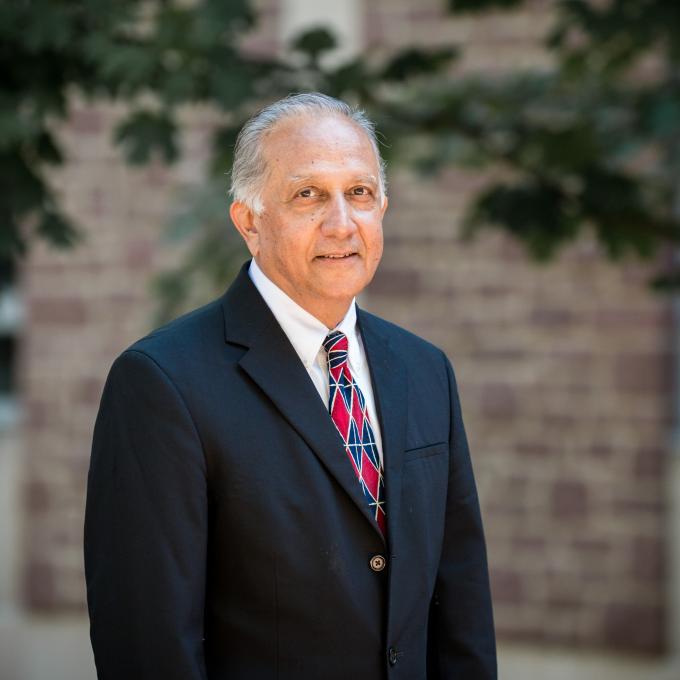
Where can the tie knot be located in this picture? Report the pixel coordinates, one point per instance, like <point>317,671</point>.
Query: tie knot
<point>336,346</point>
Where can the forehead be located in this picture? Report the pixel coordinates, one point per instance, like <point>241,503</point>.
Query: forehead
<point>311,145</point>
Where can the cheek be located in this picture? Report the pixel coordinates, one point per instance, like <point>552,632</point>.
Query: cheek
<point>379,235</point>
<point>377,251</point>
<point>314,216</point>
<point>376,240</point>
<point>272,237</point>
<point>288,247</point>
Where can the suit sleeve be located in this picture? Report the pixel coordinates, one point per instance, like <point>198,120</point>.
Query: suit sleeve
<point>146,529</point>
<point>462,630</point>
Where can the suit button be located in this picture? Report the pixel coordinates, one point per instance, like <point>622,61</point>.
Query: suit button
<point>378,562</point>
<point>392,656</point>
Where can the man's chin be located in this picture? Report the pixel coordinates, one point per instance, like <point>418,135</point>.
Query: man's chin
<point>337,288</point>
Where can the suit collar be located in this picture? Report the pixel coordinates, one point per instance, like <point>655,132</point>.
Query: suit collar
<point>272,363</point>
<point>305,332</point>
<point>246,316</point>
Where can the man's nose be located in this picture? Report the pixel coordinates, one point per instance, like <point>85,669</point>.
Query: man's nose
<point>338,220</point>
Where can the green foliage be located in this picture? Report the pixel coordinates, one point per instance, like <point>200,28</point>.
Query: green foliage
<point>413,62</point>
<point>313,44</point>
<point>156,56</point>
<point>145,134</point>
<point>525,209</point>
<point>481,5</point>
<point>159,51</point>
<point>212,252</point>
<point>592,143</point>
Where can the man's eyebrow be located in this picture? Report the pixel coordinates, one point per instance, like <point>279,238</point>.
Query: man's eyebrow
<point>369,178</point>
<point>312,178</point>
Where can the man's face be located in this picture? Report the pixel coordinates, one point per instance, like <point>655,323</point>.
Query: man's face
<point>319,233</point>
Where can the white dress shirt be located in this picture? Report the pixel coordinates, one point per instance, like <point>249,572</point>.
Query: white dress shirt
<point>306,333</point>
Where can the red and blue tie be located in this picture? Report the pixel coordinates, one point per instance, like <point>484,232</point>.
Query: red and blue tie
<point>347,407</point>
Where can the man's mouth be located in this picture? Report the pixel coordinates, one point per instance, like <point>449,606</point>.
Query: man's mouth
<point>336,256</point>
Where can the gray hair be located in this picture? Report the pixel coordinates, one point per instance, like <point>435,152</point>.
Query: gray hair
<point>249,167</point>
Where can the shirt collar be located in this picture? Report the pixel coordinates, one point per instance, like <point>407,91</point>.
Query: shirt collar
<point>305,332</point>
<point>349,327</point>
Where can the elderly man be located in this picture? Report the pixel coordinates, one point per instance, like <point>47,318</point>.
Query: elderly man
<point>280,484</point>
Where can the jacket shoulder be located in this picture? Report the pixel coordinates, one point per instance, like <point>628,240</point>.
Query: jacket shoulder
<point>403,341</point>
<point>197,332</point>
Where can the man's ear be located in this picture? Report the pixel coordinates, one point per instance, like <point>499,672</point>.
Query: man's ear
<point>244,221</point>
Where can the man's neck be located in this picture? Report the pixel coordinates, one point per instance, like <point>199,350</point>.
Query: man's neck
<point>329,312</point>
<point>329,315</point>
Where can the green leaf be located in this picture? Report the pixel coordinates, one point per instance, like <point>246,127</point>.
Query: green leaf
<point>314,42</point>
<point>479,6</point>
<point>130,67</point>
<point>12,242</point>
<point>57,230</point>
<point>417,62</point>
<point>224,141</point>
<point>47,149</point>
<point>351,76</point>
<point>145,133</point>
<point>536,213</point>
<point>232,85</point>
<point>666,282</point>
<point>218,18</point>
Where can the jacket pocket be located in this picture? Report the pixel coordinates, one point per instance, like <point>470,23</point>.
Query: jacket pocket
<point>426,451</point>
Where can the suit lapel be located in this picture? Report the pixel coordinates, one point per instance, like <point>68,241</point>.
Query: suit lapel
<point>388,376</point>
<point>272,363</point>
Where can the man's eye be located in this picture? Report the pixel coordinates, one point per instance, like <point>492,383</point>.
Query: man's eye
<point>307,193</point>
<point>360,191</point>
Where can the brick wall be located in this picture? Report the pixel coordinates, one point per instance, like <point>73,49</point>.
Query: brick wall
<point>83,308</point>
<point>564,372</point>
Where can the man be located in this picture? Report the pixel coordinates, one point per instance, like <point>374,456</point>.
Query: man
<point>280,484</point>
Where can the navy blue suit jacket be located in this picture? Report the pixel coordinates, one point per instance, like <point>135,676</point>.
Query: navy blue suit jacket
<point>227,537</point>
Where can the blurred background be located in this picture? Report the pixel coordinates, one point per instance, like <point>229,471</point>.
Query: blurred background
<point>534,158</point>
